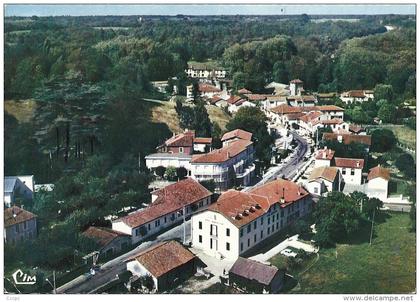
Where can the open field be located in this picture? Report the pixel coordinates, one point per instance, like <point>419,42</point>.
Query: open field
<point>388,266</point>
<point>218,115</point>
<point>404,134</point>
<point>22,110</point>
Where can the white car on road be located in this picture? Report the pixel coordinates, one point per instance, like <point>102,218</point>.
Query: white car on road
<point>288,253</point>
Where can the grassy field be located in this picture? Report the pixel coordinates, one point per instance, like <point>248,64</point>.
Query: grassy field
<point>165,113</point>
<point>404,134</point>
<point>22,110</point>
<point>388,266</point>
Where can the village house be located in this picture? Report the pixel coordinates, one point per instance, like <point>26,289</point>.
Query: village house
<point>234,135</point>
<point>239,221</point>
<point>177,151</point>
<point>350,169</point>
<point>355,129</point>
<point>244,91</point>
<point>256,277</point>
<point>204,90</point>
<point>18,186</point>
<point>323,180</point>
<point>231,165</point>
<point>337,125</point>
<point>301,101</point>
<point>203,70</point>
<point>360,96</point>
<point>19,225</point>
<point>377,185</point>
<point>274,101</point>
<point>170,205</point>
<point>324,157</point>
<point>218,101</point>
<point>110,242</point>
<point>278,89</point>
<point>296,87</point>
<point>236,102</point>
<point>168,263</point>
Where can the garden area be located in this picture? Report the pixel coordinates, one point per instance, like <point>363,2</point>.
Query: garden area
<point>387,266</point>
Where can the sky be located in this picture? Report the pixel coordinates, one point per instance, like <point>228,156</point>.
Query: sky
<point>205,9</point>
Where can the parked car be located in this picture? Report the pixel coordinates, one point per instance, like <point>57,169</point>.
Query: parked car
<point>288,253</point>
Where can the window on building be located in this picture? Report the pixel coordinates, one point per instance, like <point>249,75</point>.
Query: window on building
<point>241,233</point>
<point>249,241</point>
<point>343,171</point>
<point>211,243</point>
<point>200,225</point>
<point>242,246</point>
<point>227,232</point>
<point>17,228</point>
<point>316,190</point>
<point>272,228</point>
<point>164,219</point>
<point>277,225</point>
<point>213,229</point>
<point>262,234</point>
<point>157,223</point>
<point>200,238</point>
<point>255,225</point>
<point>352,172</point>
<point>25,225</point>
<point>277,216</point>
<point>227,246</point>
<point>268,231</point>
<point>248,228</point>
<point>148,226</point>
<point>137,232</point>
<point>268,220</point>
<point>262,220</point>
<point>255,238</point>
<point>181,150</point>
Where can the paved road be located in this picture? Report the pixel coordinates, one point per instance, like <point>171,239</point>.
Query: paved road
<point>288,169</point>
<point>109,270</point>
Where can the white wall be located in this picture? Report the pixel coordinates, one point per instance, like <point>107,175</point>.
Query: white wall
<point>378,187</point>
<point>322,163</point>
<point>166,162</point>
<point>355,179</point>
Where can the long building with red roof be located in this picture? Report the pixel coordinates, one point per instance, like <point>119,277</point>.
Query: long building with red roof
<point>167,208</point>
<point>238,221</point>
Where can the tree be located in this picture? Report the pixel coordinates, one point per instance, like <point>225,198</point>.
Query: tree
<point>170,173</point>
<point>195,90</point>
<point>406,164</point>
<point>216,134</point>
<point>201,121</point>
<point>181,172</point>
<point>372,204</point>
<point>383,140</point>
<point>209,184</point>
<point>386,113</point>
<point>253,120</point>
<point>160,171</point>
<point>336,217</point>
<point>383,92</point>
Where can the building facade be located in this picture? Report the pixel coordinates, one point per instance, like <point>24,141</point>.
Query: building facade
<point>239,221</point>
<point>19,225</point>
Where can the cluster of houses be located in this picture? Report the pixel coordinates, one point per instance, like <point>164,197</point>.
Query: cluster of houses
<point>232,223</point>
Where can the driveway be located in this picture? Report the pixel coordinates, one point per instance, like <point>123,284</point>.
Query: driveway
<point>292,241</point>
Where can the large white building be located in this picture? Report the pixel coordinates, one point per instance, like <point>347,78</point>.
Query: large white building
<point>232,165</point>
<point>377,185</point>
<point>238,221</point>
<point>167,208</point>
<point>323,180</point>
<point>202,70</point>
<point>359,96</point>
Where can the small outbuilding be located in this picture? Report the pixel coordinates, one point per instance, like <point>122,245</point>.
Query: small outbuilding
<point>168,263</point>
<point>256,277</point>
<point>110,241</point>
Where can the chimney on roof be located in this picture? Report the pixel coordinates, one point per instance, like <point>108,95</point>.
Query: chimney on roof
<point>282,198</point>
<point>357,164</point>
<point>324,154</point>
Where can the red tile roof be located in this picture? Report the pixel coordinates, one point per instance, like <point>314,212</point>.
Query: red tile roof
<point>349,138</point>
<point>254,270</point>
<point>169,199</point>
<point>327,173</point>
<point>215,98</point>
<point>334,121</point>
<point>281,189</point>
<point>163,257</point>
<point>286,109</point>
<point>103,236</point>
<point>356,93</point>
<point>379,171</point>
<point>223,154</point>
<point>296,81</point>
<point>203,140</point>
<point>302,98</point>
<point>237,133</point>
<point>240,208</point>
<point>181,140</point>
<point>15,215</point>
<point>208,88</point>
<point>233,99</point>
<point>256,97</point>
<point>244,91</point>
<point>309,117</point>
<point>355,163</point>
<point>327,154</point>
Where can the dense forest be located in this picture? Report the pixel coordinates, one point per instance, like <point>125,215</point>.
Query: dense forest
<point>89,76</point>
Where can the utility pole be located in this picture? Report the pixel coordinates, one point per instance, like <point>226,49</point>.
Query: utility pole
<point>371,230</point>
<point>55,289</point>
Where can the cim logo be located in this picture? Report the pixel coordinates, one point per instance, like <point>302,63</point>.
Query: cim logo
<point>21,278</point>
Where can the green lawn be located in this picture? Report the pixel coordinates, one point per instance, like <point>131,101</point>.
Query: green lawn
<point>388,266</point>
